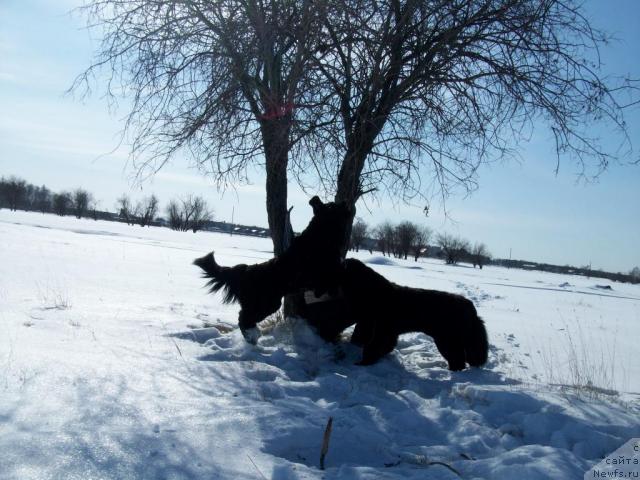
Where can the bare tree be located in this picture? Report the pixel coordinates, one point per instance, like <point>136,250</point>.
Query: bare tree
<point>13,192</point>
<point>228,81</point>
<point>16,193</point>
<point>42,199</point>
<point>358,234</point>
<point>371,93</point>
<point>81,200</point>
<point>454,248</point>
<point>188,213</point>
<point>385,236</point>
<point>174,216</point>
<point>635,273</point>
<point>93,207</point>
<point>405,234</point>
<point>200,214</point>
<point>146,210</point>
<point>29,199</point>
<point>379,237</point>
<point>479,255</point>
<point>440,87</point>
<point>125,209</point>
<point>421,241</point>
<point>62,203</point>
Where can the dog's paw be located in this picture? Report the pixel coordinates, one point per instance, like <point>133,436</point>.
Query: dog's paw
<point>251,335</point>
<point>456,366</point>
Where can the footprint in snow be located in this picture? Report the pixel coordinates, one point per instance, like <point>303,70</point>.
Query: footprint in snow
<point>262,375</point>
<point>223,343</point>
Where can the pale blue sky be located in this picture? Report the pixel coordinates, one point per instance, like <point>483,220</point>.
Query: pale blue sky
<point>53,139</point>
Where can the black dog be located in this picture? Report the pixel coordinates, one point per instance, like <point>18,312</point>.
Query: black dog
<point>383,310</point>
<point>312,261</point>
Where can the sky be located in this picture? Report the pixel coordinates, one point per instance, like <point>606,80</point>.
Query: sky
<point>521,209</point>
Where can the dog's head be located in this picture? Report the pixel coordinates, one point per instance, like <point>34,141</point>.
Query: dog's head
<point>317,251</point>
<point>337,213</point>
<point>328,227</point>
<point>316,204</point>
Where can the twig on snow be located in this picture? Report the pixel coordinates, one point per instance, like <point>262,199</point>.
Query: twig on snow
<point>256,467</point>
<point>325,442</point>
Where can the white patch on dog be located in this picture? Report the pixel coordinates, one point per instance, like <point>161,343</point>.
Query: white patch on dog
<point>310,297</point>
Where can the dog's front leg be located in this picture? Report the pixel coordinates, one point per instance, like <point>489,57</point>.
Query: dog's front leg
<point>371,354</point>
<point>362,333</point>
<point>248,326</point>
<point>327,282</point>
<point>383,342</point>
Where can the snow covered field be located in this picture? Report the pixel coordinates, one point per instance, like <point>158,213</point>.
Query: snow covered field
<point>116,364</point>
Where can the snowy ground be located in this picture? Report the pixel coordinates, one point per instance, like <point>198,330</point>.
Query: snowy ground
<point>114,363</point>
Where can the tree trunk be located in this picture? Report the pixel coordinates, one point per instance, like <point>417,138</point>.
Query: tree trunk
<point>275,135</point>
<point>349,188</point>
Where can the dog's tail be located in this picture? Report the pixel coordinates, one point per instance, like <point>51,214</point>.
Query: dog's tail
<point>219,277</point>
<point>476,344</point>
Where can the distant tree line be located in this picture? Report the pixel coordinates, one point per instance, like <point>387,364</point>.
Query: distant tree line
<point>409,239</point>
<point>18,194</point>
<point>633,276</point>
<point>193,213</point>
<point>402,240</point>
<point>406,238</point>
<point>189,212</point>
<point>143,212</point>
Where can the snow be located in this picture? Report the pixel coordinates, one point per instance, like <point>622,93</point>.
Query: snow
<point>115,363</point>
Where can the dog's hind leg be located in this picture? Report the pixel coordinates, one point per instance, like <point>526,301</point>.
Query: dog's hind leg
<point>476,343</point>
<point>453,352</point>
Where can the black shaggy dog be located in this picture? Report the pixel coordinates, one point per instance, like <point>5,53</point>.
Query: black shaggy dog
<point>312,262</point>
<point>383,310</point>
